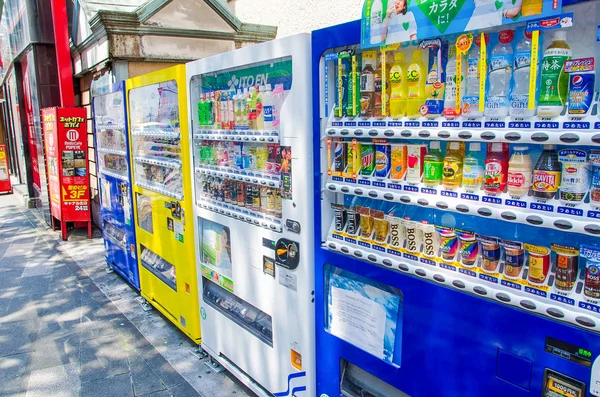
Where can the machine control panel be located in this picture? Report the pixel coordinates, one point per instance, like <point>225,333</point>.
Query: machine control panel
<point>559,385</point>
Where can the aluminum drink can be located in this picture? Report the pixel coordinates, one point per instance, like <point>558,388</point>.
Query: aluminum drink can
<point>383,160</point>
<point>367,159</point>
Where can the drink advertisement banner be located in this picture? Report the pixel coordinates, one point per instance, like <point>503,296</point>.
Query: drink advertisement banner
<point>400,21</point>
<point>65,133</point>
<point>5,185</point>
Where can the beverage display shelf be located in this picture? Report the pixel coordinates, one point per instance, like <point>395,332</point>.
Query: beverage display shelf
<point>238,135</point>
<point>160,189</point>
<point>255,177</point>
<point>241,214</point>
<point>116,242</point>
<point>508,135</point>
<point>567,309</point>
<point>109,126</point>
<point>114,174</point>
<point>155,133</point>
<point>528,211</point>
<point>163,162</point>
<point>117,152</point>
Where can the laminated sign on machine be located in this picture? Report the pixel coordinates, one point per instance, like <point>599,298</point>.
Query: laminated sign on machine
<point>251,159</point>
<point>162,195</point>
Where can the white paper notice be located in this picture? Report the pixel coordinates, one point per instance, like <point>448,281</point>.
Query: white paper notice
<point>358,320</point>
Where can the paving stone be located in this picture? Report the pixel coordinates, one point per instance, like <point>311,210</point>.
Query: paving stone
<point>17,337</point>
<point>183,390</point>
<point>14,375</point>
<point>58,381</point>
<point>103,357</point>
<point>144,379</point>
<point>114,386</point>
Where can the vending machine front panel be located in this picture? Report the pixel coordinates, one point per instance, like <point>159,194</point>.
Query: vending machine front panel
<point>475,219</point>
<point>252,167</point>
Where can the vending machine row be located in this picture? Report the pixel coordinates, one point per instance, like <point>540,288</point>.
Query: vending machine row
<point>457,221</point>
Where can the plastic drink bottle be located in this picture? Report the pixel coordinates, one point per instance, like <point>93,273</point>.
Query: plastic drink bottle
<point>260,117</point>
<point>231,109</point>
<point>471,99</point>
<point>453,167</point>
<point>519,172</point>
<point>500,74</point>
<point>581,93</point>
<point>554,81</point>
<point>451,94</point>
<point>268,108</point>
<point>251,106</point>
<point>416,85</point>
<point>434,91</point>
<point>472,169</point>
<point>367,83</point>
<point>278,97</point>
<point>223,112</point>
<point>433,165</point>
<point>546,174</point>
<point>379,96</point>
<point>201,116</point>
<point>519,100</point>
<point>496,170</point>
<point>530,8</point>
<point>398,83</point>
<point>376,22</point>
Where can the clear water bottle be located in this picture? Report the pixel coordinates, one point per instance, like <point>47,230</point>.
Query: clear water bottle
<point>519,100</point>
<point>470,101</point>
<point>500,74</point>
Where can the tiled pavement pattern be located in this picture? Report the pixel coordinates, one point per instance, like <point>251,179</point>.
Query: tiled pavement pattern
<point>67,328</point>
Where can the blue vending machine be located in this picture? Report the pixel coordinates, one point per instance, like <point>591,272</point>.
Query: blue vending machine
<point>110,127</point>
<point>459,200</point>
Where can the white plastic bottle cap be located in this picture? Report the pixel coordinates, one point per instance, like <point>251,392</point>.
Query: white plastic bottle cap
<point>496,147</point>
<point>475,146</point>
<point>454,145</point>
<point>434,145</point>
<point>268,87</point>
<point>521,148</point>
<point>261,88</point>
<point>560,35</point>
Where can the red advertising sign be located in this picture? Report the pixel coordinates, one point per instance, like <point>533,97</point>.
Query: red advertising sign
<point>5,185</point>
<point>65,134</point>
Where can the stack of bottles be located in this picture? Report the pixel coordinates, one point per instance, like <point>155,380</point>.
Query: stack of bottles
<point>425,81</point>
<point>259,158</point>
<point>253,108</point>
<point>380,225</point>
<point>569,173</point>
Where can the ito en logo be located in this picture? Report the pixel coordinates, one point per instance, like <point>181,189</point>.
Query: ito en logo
<point>247,81</point>
<point>72,135</point>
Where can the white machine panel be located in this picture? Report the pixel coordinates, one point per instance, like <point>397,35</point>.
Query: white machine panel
<point>251,124</point>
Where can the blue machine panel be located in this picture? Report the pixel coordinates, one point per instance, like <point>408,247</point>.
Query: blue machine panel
<point>456,340</point>
<point>110,132</point>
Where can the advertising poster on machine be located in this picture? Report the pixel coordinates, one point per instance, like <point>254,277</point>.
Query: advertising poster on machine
<point>65,133</point>
<point>400,21</point>
<point>5,185</point>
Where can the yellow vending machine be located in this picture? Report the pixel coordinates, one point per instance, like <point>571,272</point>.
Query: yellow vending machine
<point>162,195</point>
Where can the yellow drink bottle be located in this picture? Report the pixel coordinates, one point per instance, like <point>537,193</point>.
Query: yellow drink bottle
<point>531,7</point>
<point>398,89</point>
<point>415,81</point>
<point>453,167</point>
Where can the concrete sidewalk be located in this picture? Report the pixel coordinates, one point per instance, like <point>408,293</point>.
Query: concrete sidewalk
<point>67,328</point>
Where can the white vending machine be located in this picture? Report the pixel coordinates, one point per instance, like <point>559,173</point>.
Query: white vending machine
<point>251,124</point>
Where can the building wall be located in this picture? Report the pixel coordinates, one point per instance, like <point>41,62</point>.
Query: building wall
<point>84,100</point>
<point>292,16</point>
